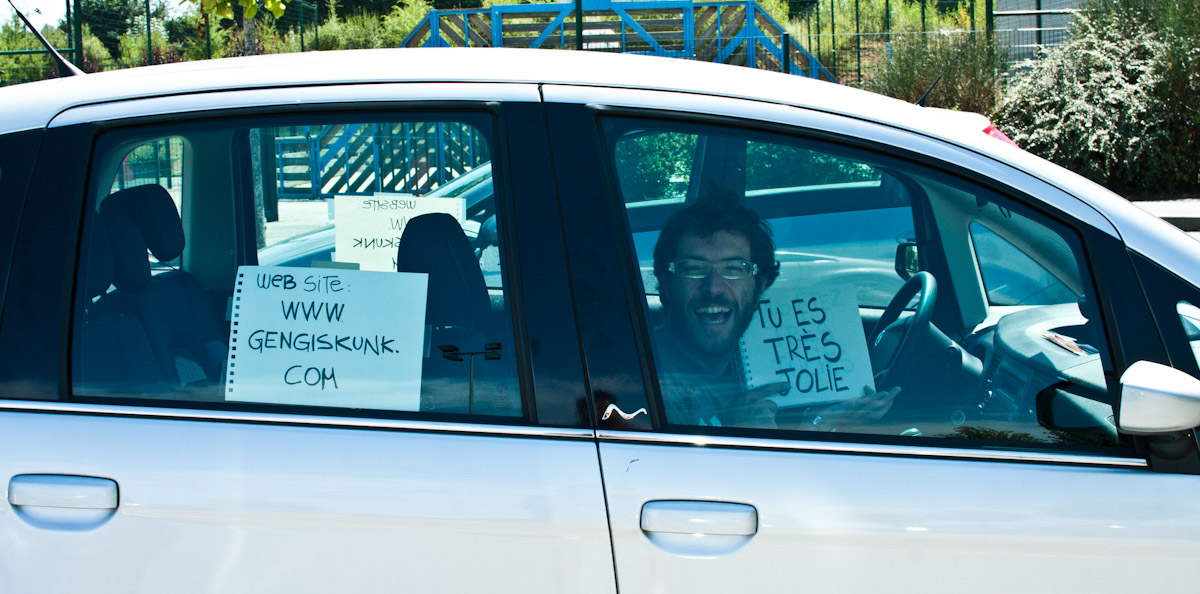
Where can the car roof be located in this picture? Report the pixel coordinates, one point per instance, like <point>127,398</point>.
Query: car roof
<point>35,104</point>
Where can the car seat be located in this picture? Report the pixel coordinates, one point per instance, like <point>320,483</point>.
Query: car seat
<point>112,354</point>
<point>180,321</point>
<point>458,314</point>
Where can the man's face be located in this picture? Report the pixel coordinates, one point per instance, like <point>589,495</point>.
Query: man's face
<point>710,314</point>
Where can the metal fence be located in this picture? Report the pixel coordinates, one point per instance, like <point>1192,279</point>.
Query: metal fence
<point>1023,27</point>
<point>842,40</point>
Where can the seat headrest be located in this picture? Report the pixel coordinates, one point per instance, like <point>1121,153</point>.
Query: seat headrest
<point>99,271</point>
<point>131,265</point>
<point>436,245</point>
<point>488,234</point>
<point>153,213</point>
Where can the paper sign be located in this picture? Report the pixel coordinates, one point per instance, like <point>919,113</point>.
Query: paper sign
<point>315,337</point>
<point>369,228</point>
<point>813,339</point>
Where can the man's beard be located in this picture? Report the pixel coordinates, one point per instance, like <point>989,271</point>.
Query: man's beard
<point>702,315</point>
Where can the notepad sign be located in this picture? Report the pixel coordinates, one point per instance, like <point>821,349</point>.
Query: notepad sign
<point>811,338</point>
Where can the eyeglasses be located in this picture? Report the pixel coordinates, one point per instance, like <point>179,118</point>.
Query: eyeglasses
<point>727,269</point>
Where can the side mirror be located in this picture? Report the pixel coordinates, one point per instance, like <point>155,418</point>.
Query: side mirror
<point>1158,399</point>
<point>907,263</point>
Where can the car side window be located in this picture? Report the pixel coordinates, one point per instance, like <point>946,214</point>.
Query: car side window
<point>1189,317</point>
<point>1012,277</point>
<point>319,265</point>
<point>793,285</point>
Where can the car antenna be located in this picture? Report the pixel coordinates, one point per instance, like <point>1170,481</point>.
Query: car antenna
<point>65,68</point>
<point>921,102</point>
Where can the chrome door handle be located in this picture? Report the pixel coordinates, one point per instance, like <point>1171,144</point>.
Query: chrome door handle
<point>62,491</point>
<point>700,517</point>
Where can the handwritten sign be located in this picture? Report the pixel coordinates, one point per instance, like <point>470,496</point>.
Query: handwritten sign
<point>813,339</point>
<point>369,228</point>
<point>321,337</point>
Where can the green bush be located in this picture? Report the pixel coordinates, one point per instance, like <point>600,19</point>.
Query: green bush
<point>30,67</point>
<point>355,31</point>
<point>403,19</point>
<point>971,68</point>
<point>1102,105</point>
<point>1179,70</point>
<point>133,49</point>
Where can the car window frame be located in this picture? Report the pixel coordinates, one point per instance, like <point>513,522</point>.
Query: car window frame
<point>1102,232</point>
<point>18,155</point>
<point>77,135</point>
<point>244,236</point>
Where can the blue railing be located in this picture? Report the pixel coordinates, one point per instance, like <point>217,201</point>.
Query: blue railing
<point>411,158</point>
<point>727,32</point>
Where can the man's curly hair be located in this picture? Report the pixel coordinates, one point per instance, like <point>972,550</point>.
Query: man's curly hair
<point>704,218</point>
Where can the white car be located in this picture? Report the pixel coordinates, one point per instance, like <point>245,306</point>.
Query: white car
<point>464,395</point>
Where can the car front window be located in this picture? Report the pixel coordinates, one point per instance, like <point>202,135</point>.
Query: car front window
<point>1011,276</point>
<point>855,334</point>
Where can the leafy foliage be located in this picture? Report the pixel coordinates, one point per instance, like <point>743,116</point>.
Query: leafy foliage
<point>224,8</point>
<point>355,31</point>
<point>1095,104</point>
<point>20,68</point>
<point>770,165</point>
<point>990,434</point>
<point>133,50</point>
<point>971,68</point>
<point>109,20</point>
<point>403,19</point>
<point>650,165</point>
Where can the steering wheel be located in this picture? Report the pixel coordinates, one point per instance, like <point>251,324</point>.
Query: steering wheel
<point>923,283</point>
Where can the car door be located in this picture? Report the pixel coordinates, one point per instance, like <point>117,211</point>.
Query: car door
<point>996,467</point>
<point>215,378</point>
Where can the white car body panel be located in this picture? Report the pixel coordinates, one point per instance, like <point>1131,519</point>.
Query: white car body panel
<point>216,501</point>
<point>358,94</point>
<point>246,507</point>
<point>838,522</point>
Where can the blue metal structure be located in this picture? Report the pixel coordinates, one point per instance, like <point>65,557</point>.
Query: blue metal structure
<point>319,162</point>
<point>738,32</point>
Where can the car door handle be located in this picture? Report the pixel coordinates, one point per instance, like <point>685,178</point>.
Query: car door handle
<point>62,491</point>
<point>716,518</point>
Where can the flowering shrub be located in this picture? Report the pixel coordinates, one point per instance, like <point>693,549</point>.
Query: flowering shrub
<point>1114,103</point>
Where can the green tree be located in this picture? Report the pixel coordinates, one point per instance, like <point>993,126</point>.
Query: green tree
<point>38,66</point>
<point>225,8</point>
<point>19,68</point>
<point>109,20</point>
<point>651,166</point>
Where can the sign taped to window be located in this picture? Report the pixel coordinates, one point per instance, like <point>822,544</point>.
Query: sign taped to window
<point>810,337</point>
<point>342,338</point>
<point>368,228</point>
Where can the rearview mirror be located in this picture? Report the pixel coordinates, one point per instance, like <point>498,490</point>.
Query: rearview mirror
<point>1158,399</point>
<point>907,263</point>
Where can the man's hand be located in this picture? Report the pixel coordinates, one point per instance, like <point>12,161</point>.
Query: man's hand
<point>766,390</point>
<point>758,411</point>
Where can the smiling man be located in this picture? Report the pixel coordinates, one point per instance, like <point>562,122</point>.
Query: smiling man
<point>713,260</point>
